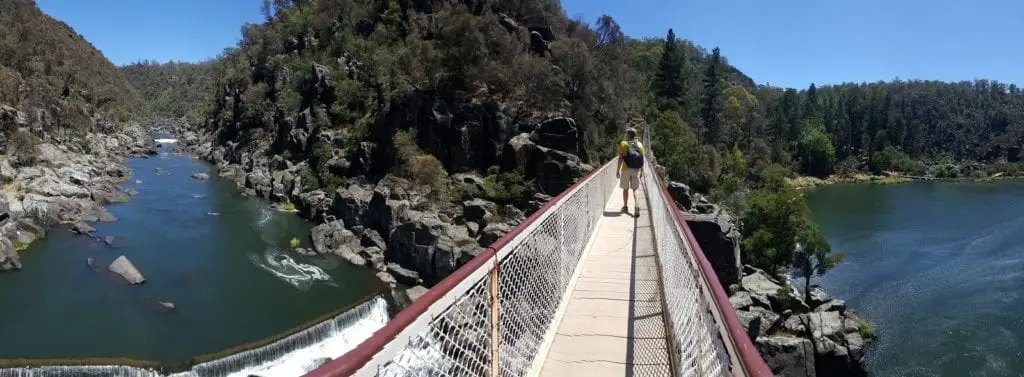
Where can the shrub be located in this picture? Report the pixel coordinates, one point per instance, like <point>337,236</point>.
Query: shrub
<point>867,330</point>
<point>122,199</point>
<point>23,146</point>
<point>19,246</point>
<point>294,243</point>
<point>288,206</point>
<point>505,186</point>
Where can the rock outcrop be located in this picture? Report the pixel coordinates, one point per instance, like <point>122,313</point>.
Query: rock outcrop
<point>797,338</point>
<point>66,183</point>
<point>387,223</point>
<point>715,230</point>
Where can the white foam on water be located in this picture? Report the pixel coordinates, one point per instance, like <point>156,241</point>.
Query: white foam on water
<point>285,268</point>
<point>165,141</point>
<point>306,359</point>
<point>291,356</point>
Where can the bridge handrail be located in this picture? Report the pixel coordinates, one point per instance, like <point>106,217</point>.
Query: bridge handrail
<point>441,296</point>
<point>479,321</point>
<point>750,359</point>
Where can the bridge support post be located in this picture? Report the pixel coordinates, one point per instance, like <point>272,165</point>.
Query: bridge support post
<point>495,332</point>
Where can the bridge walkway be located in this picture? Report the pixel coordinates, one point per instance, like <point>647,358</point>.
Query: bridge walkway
<point>612,324</point>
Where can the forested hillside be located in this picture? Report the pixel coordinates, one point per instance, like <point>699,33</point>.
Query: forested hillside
<point>172,89</point>
<point>54,75</point>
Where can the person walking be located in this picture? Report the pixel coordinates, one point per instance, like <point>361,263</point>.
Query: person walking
<point>631,163</point>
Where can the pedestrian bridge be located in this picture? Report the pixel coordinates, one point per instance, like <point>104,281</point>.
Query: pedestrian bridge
<point>577,289</point>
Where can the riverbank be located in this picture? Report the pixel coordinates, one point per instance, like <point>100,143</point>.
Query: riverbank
<point>56,183</point>
<point>210,253</point>
<point>805,182</point>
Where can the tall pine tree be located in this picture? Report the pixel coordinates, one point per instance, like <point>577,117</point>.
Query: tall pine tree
<point>668,83</point>
<point>711,102</point>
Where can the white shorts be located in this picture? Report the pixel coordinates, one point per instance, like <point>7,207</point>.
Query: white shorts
<point>629,179</point>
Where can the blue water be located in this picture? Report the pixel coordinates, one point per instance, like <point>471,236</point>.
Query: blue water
<point>228,275</point>
<point>939,267</point>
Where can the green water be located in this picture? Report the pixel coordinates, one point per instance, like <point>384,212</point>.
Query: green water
<point>938,266</point>
<point>223,272</point>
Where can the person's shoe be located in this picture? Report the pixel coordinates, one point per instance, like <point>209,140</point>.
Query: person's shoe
<point>637,211</point>
<point>625,209</point>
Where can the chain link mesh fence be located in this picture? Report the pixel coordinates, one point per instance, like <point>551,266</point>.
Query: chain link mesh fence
<point>456,335</point>
<point>534,271</point>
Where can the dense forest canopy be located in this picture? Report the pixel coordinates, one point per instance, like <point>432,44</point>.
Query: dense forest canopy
<point>172,89</point>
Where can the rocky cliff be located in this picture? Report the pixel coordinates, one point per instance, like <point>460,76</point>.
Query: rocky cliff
<point>62,184</point>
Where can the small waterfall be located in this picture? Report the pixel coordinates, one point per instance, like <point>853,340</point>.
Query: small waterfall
<point>79,371</point>
<point>289,357</point>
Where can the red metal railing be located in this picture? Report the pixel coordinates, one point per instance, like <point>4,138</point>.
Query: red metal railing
<point>478,302</point>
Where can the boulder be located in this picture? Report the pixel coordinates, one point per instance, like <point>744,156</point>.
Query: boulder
<point>386,209</point>
<point>478,210</point>
<point>681,194</point>
<point>492,233</point>
<point>81,227</point>
<point>760,285</point>
<point>370,238</point>
<point>758,321</point>
<point>560,134</point>
<point>787,355</point>
<point>375,257</point>
<point>315,205</point>
<point>415,292</point>
<point>818,296</point>
<point>836,305</point>
<point>122,266</point>
<point>423,244</point>
<point>403,275</point>
<point>719,239</point>
<point>387,278</point>
<point>333,238</point>
<point>741,300</point>
<point>825,325</point>
<point>9,259</point>
<point>552,170</point>
<point>351,203</point>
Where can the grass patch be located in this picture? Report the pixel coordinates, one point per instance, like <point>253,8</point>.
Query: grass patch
<point>288,206</point>
<point>294,243</point>
<point>466,242</point>
<point>19,246</point>
<point>867,331</point>
<point>122,199</point>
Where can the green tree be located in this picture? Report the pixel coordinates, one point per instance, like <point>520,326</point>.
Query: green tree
<point>711,101</point>
<point>817,155</point>
<point>668,83</point>
<point>772,224</point>
<point>813,256</point>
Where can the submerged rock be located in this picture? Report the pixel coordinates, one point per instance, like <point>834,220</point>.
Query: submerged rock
<point>122,266</point>
<point>201,176</point>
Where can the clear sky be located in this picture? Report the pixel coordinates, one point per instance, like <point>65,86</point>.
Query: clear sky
<point>130,30</point>
<point>785,43</point>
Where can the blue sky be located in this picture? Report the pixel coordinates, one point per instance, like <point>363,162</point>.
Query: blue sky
<point>785,43</point>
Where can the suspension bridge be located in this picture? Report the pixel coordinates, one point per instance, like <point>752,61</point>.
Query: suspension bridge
<point>577,289</point>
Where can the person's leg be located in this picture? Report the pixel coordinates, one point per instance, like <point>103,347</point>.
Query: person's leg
<point>624,185</point>
<point>634,183</point>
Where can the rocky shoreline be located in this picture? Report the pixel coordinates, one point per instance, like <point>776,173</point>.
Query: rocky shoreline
<point>391,225</point>
<point>68,182</point>
<point>796,338</point>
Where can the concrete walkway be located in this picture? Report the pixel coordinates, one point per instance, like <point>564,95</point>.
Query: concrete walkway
<point>612,325</point>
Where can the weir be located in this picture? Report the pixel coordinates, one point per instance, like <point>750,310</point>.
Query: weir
<point>292,356</point>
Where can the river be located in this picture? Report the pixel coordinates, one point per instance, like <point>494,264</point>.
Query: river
<point>220,258</point>
<point>938,267</point>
